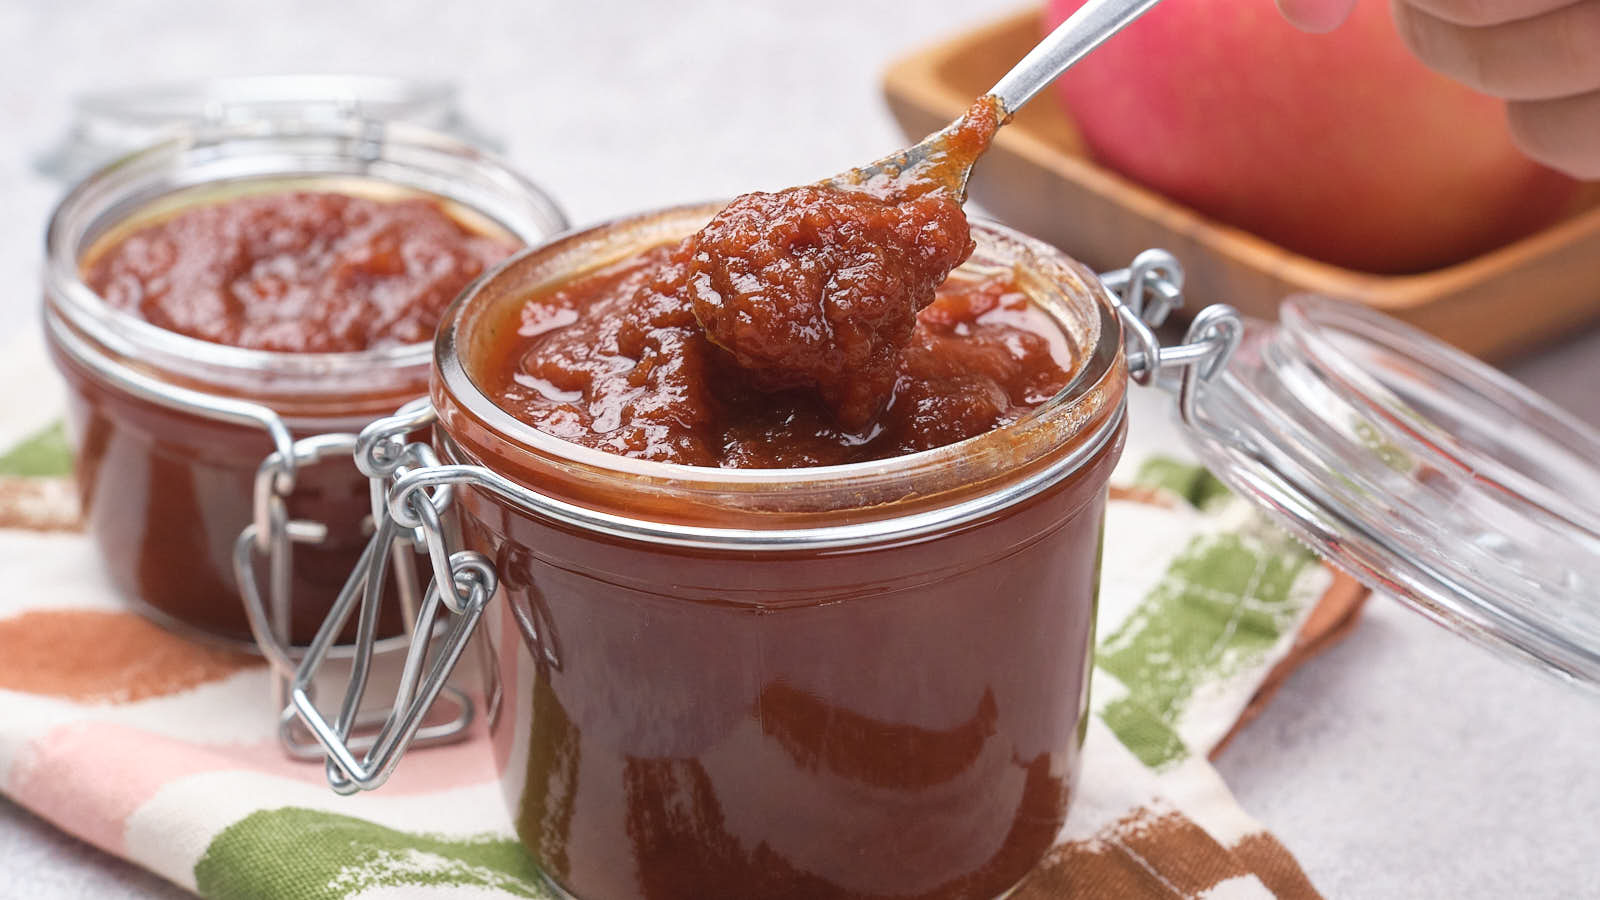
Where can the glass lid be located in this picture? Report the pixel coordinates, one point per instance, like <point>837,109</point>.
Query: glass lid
<point>1419,470</point>
<point>107,124</point>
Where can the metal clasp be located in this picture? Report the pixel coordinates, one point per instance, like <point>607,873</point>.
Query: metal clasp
<point>361,752</point>
<point>272,536</point>
<point>1144,295</point>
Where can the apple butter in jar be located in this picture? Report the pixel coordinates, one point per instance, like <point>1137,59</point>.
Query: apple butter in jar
<point>796,580</point>
<point>214,297</point>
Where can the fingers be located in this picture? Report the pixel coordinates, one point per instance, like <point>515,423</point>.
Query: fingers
<point>1555,54</point>
<point>1316,16</point>
<point>1478,13</point>
<point>1563,133</point>
<point>1543,56</point>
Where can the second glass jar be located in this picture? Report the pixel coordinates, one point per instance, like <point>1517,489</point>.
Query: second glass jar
<point>170,430</point>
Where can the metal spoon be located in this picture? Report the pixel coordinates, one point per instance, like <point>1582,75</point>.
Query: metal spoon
<point>934,164</point>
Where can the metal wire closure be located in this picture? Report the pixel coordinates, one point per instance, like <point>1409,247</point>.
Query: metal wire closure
<point>1145,294</point>
<point>272,536</point>
<point>357,756</point>
<point>411,493</point>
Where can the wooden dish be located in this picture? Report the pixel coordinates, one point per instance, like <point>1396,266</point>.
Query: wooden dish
<point>1039,178</point>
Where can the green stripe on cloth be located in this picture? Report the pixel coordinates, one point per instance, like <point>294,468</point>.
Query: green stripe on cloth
<point>1193,483</point>
<point>1220,607</point>
<point>1143,732</point>
<point>44,454</point>
<point>305,853</point>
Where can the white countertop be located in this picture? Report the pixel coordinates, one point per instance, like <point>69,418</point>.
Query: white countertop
<point>1402,763</point>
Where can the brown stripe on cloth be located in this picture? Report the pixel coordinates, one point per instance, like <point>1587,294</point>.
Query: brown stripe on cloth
<point>97,656</point>
<point>1161,855</point>
<point>1274,865</point>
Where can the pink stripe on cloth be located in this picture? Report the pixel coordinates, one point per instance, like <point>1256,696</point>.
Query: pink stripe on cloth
<point>89,777</point>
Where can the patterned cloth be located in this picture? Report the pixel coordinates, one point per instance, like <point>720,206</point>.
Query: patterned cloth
<point>163,752</point>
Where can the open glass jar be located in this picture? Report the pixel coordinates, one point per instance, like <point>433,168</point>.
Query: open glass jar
<point>170,430</point>
<point>870,680</point>
<point>850,680</point>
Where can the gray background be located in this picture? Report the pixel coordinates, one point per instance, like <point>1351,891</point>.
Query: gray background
<point>1402,763</point>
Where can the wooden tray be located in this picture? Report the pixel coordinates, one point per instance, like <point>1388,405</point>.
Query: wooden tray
<point>1039,179</point>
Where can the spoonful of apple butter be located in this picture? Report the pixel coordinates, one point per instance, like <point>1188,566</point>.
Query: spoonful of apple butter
<point>819,286</point>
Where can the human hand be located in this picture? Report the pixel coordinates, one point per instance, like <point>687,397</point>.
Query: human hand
<point>1541,56</point>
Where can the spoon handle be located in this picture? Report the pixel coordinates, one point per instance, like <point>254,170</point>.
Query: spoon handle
<point>1072,40</point>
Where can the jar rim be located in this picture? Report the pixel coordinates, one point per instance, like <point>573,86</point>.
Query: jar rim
<point>396,153</point>
<point>1086,412</point>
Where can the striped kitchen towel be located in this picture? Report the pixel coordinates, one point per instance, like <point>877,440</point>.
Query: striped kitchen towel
<point>163,752</point>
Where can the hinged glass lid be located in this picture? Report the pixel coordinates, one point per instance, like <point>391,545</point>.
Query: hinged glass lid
<point>1421,471</point>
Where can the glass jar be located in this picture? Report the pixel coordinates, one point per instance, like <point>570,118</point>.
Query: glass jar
<point>856,681</point>
<point>170,431</point>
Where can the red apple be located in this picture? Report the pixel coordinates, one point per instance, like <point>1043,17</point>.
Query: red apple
<point>1341,146</point>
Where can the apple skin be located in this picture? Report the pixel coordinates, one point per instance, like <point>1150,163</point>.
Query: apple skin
<point>1340,146</point>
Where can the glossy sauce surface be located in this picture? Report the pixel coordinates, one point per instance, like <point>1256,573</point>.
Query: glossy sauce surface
<point>295,272</point>
<point>612,362</point>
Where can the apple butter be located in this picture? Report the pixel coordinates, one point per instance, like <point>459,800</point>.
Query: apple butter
<point>296,272</point>
<point>817,287</point>
<point>616,362</point>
